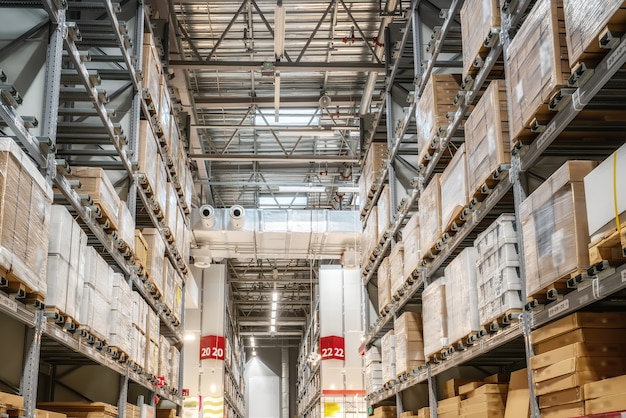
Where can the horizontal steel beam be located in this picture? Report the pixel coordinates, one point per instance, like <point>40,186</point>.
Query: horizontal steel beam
<point>278,333</point>
<point>314,159</point>
<point>287,280</point>
<point>266,322</point>
<point>286,101</point>
<point>283,128</point>
<point>278,66</point>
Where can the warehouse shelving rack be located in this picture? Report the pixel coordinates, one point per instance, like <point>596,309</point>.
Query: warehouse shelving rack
<point>234,389</point>
<point>308,390</point>
<point>586,89</point>
<point>121,45</point>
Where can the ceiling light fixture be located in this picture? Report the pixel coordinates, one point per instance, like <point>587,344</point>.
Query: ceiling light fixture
<point>348,189</point>
<point>273,328</point>
<point>322,133</point>
<point>301,189</point>
<point>274,305</point>
<point>280,15</point>
<point>275,296</point>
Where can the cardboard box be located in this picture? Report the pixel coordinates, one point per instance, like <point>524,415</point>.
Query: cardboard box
<point>430,215</point>
<point>578,320</point>
<point>609,403</point>
<point>462,303</point>
<point>478,19</point>
<point>564,411</point>
<point>155,257</point>
<point>451,387</point>
<point>449,405</point>
<point>536,64</point>
<point>396,268</point>
<point>374,161</point>
<point>151,69</point>
<point>384,211</point>
<point>517,401</point>
<point>554,224</point>
<point>577,350</point>
<point>11,400</point>
<point>567,381</point>
<point>435,102</point>
<point>147,153</point>
<point>586,335</point>
<point>369,237</point>
<point>141,248</point>
<point>424,412</point>
<point>469,387</point>
<point>434,317</point>
<point>561,397</point>
<point>411,241</point>
<point>384,285</point>
<point>488,145</point>
<point>584,22</point>
<point>454,188</point>
<point>604,366</point>
<point>607,387</point>
<point>95,183</point>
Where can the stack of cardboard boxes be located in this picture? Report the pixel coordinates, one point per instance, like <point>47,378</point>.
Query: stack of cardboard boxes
<point>388,351</point>
<point>409,342</point>
<point>373,370</point>
<point>462,301</point>
<point>385,412</point>
<point>434,318</point>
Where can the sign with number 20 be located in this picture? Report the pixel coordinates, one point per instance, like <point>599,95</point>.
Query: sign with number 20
<point>212,347</point>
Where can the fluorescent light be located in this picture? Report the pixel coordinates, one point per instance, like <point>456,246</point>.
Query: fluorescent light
<point>252,341</point>
<point>273,314</point>
<point>276,97</point>
<point>275,296</point>
<point>273,328</point>
<point>190,336</point>
<point>280,15</point>
<point>273,321</point>
<point>301,189</point>
<point>254,352</point>
<point>274,305</point>
<point>308,132</point>
<point>348,189</point>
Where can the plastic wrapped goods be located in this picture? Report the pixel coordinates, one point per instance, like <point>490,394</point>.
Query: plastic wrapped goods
<point>584,23</point>
<point>156,257</point>
<point>430,215</point>
<point>388,354</point>
<point>372,164</point>
<point>384,211</point>
<point>434,317</point>
<point>164,359</point>
<point>25,200</point>
<point>453,183</point>
<point>97,185</point>
<point>479,18</point>
<point>369,237</point>
<point>384,285</point>
<point>396,267</point>
<point>554,224</point>
<point>536,64</point>
<point>462,302</point>
<point>487,141</point>
<point>147,153</point>
<point>409,342</point>
<point>174,366</point>
<point>411,241</point>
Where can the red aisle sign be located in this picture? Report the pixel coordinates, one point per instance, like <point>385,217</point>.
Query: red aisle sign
<point>212,347</point>
<point>333,347</point>
<point>185,392</point>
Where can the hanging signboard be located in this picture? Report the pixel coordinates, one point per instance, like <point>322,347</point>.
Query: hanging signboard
<point>212,347</point>
<point>333,347</point>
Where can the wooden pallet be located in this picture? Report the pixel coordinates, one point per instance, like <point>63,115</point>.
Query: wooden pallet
<point>118,354</point>
<point>14,285</point>
<point>507,318</point>
<point>60,318</point>
<point>610,247</point>
<point>93,337</point>
<point>488,185</point>
<point>607,39</point>
<point>552,291</point>
<point>490,41</point>
<point>10,411</point>
<point>81,409</point>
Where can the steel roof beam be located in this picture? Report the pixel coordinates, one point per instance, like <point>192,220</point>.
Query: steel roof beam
<point>216,65</point>
<point>275,158</point>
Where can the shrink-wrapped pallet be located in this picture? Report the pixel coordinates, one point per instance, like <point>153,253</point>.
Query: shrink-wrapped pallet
<point>430,115</point>
<point>25,200</point>
<point>155,257</point>
<point>94,313</point>
<point>120,316</point>
<point>372,355</point>
<point>172,288</point>
<point>605,191</point>
<point>369,237</point>
<point>161,186</point>
<point>171,211</point>
<point>430,215</point>
<point>180,236</point>
<point>396,268</point>
<point>411,241</point>
<point>536,65</point>
<point>488,145</point>
<point>453,183</point>
<point>175,366</point>
<point>480,21</point>
<point>462,301</point>
<point>189,187</point>
<point>554,224</point>
<point>164,360</point>
<point>164,111</point>
<point>147,153</point>
<point>140,312</point>
<point>373,377</point>
<point>384,211</point>
<point>409,342</point>
<point>95,183</point>
<point>98,273</point>
<point>151,70</point>
<point>585,22</point>
<point>434,317</point>
<point>384,285</point>
<point>388,355</point>
<point>153,326</point>
<point>173,146</point>
<point>138,350</point>
<point>499,281</point>
<point>126,230</point>
<point>152,357</point>
<point>373,163</point>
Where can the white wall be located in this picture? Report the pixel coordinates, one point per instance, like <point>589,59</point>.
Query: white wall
<point>262,390</point>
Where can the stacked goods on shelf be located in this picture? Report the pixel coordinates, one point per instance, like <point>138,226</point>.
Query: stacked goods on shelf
<point>120,317</point>
<point>164,111</point>
<point>152,343</point>
<point>126,230</point>
<point>409,342</point>
<point>396,268</point>
<point>453,184</point>
<point>67,254</point>
<point>431,112</point>
<point>373,370</point>
<point>384,211</point>
<point>373,163</point>
<point>385,412</point>
<point>165,413</point>
<point>488,146</point>
<point>384,285</point>
<point>12,405</point>
<point>480,24</point>
<point>165,365</point>
<point>147,153</point>
<point>25,200</point>
<point>171,211</point>
<point>369,237</point>
<point>138,331</point>
<point>141,249</point>
<point>554,224</point>
<point>499,282</point>
<point>97,294</point>
<point>606,208</point>
<point>388,351</point>
<point>175,367</point>
<point>536,67</point>
<point>409,414</point>
<point>151,72</point>
<point>161,191</point>
<point>462,303</point>
<point>518,397</point>
<point>81,409</point>
<point>452,386</point>
<point>423,413</point>
<point>484,400</point>
<point>132,411</point>
<point>606,395</point>
<point>173,290</point>
<point>155,259</point>
<point>588,22</point>
<point>449,408</point>
<point>434,318</point>
<point>40,413</point>
<point>580,348</point>
<point>411,242</point>
<point>430,216</point>
<point>95,183</point>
